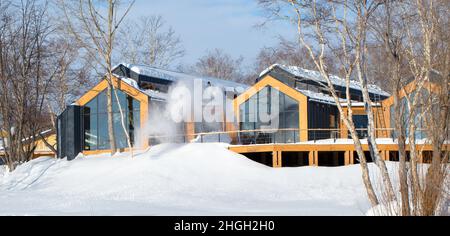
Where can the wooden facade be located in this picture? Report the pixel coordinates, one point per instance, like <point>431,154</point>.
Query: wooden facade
<point>283,88</point>
<point>127,89</point>
<point>312,116</point>
<point>313,151</point>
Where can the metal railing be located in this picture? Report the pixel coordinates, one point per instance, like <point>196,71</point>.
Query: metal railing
<point>266,136</point>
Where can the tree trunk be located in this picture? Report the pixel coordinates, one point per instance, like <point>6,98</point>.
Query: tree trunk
<point>403,177</point>
<point>112,137</point>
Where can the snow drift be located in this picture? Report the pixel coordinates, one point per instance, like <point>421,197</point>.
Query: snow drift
<point>175,179</point>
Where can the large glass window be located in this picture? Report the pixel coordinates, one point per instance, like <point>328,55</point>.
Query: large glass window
<point>252,117</point>
<point>404,116</point>
<point>96,121</point>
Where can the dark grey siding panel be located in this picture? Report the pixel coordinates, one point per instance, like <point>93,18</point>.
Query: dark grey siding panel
<point>319,117</point>
<point>70,133</point>
<point>126,72</point>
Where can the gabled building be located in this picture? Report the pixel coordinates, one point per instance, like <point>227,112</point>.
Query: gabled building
<point>306,105</point>
<point>311,131</point>
<point>143,94</point>
<point>304,128</point>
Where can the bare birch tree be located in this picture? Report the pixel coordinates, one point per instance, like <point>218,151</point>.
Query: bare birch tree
<point>73,75</point>
<point>288,53</point>
<point>149,41</point>
<point>95,28</point>
<point>411,53</point>
<point>26,73</point>
<point>414,38</point>
<point>218,64</point>
<point>285,52</point>
<point>317,23</point>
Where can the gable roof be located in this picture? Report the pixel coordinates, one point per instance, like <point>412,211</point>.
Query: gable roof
<point>164,76</point>
<point>320,97</point>
<point>299,72</point>
<point>131,75</point>
<point>152,94</point>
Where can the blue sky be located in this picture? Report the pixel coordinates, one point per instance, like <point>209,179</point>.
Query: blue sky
<point>209,24</point>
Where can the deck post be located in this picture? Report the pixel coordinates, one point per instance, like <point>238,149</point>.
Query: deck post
<point>352,157</point>
<point>347,158</point>
<point>420,155</point>
<point>280,155</point>
<point>276,159</point>
<point>316,158</point>
<point>311,158</point>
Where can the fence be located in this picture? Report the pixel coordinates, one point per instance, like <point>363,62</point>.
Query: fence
<point>267,136</point>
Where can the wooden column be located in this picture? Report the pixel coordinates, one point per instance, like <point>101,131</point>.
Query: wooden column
<point>347,158</point>
<point>316,158</point>
<point>276,159</point>
<point>420,156</point>
<point>311,158</point>
<point>352,157</point>
<point>279,156</point>
<point>383,155</point>
<point>190,131</point>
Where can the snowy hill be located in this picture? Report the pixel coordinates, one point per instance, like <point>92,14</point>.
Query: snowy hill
<point>192,179</point>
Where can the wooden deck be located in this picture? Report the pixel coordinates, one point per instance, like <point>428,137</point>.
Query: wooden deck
<point>314,151</point>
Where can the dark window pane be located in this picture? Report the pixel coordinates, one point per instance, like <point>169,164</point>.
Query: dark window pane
<point>123,101</point>
<point>290,104</point>
<point>361,123</point>
<point>136,105</point>
<point>291,119</point>
<point>134,122</point>
<point>103,138</point>
<point>102,102</point>
<point>242,112</point>
<point>121,138</point>
<point>91,107</point>
<point>90,132</point>
<point>392,121</point>
<point>198,127</point>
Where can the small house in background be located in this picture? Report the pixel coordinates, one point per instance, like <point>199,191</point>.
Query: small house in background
<point>41,145</point>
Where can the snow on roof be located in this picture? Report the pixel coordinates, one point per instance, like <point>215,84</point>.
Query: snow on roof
<point>151,93</point>
<point>360,104</point>
<point>320,97</point>
<point>178,76</point>
<point>316,76</point>
<point>156,94</point>
<point>129,81</point>
<point>174,77</point>
<point>324,98</point>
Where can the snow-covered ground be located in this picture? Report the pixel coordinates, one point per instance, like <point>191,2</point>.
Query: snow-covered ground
<point>191,179</point>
